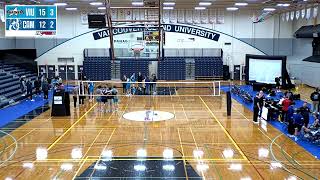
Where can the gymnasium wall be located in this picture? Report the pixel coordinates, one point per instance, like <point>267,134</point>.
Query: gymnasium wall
<point>302,48</point>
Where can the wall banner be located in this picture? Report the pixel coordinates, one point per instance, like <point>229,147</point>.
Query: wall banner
<point>191,30</point>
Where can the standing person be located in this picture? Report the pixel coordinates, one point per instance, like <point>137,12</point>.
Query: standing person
<point>261,103</point>
<point>37,85</point>
<point>23,85</point>
<point>81,97</point>
<point>305,112</point>
<point>297,123</point>
<point>140,78</point>
<point>153,84</point>
<point>29,90</point>
<point>147,82</point>
<point>75,93</point>
<point>91,90</point>
<point>124,84</point>
<point>285,105</point>
<point>128,86</point>
<point>114,92</point>
<point>45,89</point>
<point>315,98</point>
<point>256,108</point>
<point>99,98</point>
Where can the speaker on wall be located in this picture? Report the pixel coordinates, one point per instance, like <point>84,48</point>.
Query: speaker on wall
<point>97,21</point>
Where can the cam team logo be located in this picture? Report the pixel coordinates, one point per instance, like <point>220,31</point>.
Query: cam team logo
<point>14,24</point>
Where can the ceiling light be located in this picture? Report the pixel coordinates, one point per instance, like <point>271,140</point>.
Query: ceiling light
<point>169,3</point>
<point>96,3</point>
<point>168,167</point>
<point>232,8</point>
<point>197,153</point>
<point>142,153</point>
<point>246,178</point>
<point>199,8</point>
<point>275,165</point>
<point>228,153</point>
<point>235,167</point>
<point>60,4</point>
<point>269,9</point>
<point>168,154</point>
<point>263,152</point>
<point>168,8</point>
<point>139,167</point>
<point>205,3</point>
<point>102,8</point>
<point>27,165</point>
<point>202,167</point>
<point>100,167</point>
<point>137,3</point>
<point>291,178</point>
<point>66,167</point>
<point>241,4</point>
<point>71,9</point>
<point>76,153</point>
<point>41,154</point>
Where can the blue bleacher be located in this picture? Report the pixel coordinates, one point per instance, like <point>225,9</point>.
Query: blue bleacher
<point>172,68</point>
<point>97,68</point>
<point>209,67</point>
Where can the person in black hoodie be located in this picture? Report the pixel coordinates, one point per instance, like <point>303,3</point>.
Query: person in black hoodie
<point>37,85</point>
<point>315,97</point>
<point>305,112</point>
<point>29,89</point>
<point>45,89</point>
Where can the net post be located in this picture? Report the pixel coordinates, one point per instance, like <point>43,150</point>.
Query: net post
<point>214,88</point>
<point>219,82</point>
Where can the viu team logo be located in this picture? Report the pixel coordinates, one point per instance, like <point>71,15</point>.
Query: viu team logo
<point>14,24</point>
<point>15,11</point>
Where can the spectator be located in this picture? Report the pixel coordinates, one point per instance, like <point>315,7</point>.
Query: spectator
<point>114,93</point>
<point>147,82</point>
<point>256,108</point>
<point>124,84</point>
<point>29,89</point>
<point>315,97</point>
<point>91,90</point>
<point>285,105</point>
<point>153,84</point>
<point>37,85</point>
<point>305,110</point>
<point>23,85</point>
<point>45,88</point>
<point>75,93</point>
<point>297,123</point>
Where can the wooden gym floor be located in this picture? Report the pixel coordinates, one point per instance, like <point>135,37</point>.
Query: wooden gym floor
<point>200,123</point>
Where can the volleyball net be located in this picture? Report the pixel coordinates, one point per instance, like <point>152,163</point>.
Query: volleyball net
<point>159,88</point>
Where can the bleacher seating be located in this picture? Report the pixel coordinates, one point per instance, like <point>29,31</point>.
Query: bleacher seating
<point>172,68</point>
<point>10,84</point>
<point>208,67</point>
<point>97,68</point>
<point>130,66</point>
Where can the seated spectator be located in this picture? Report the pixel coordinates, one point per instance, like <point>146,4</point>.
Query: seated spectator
<point>312,133</point>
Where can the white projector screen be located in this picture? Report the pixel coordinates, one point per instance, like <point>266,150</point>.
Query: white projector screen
<point>264,70</point>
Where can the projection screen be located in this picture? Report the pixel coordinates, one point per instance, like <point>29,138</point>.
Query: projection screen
<point>264,70</point>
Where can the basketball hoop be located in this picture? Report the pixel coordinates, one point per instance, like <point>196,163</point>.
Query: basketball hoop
<point>137,48</point>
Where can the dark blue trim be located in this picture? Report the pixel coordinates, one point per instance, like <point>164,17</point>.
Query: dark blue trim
<point>175,24</point>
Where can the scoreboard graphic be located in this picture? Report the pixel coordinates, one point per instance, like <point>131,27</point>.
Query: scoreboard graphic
<point>31,21</point>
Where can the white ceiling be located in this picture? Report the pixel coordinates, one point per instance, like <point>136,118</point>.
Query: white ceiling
<point>253,4</point>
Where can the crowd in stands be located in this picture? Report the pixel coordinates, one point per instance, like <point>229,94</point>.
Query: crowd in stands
<point>297,119</point>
